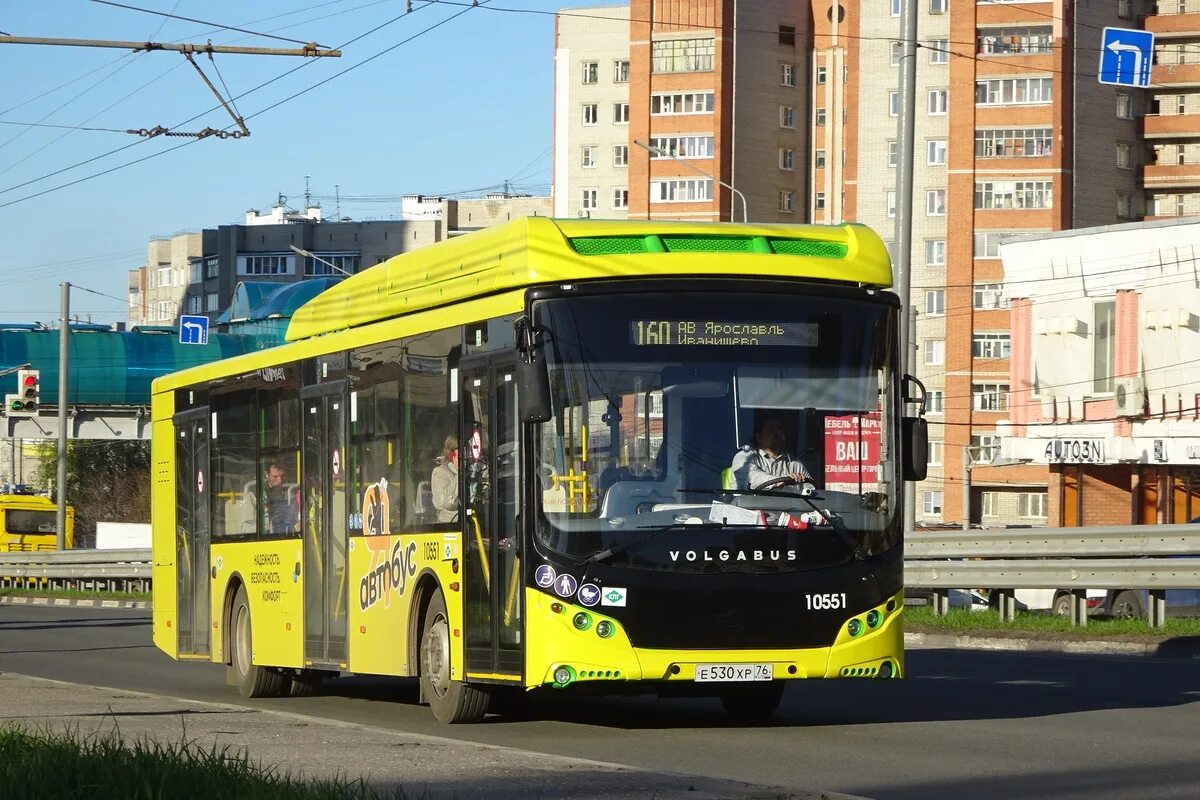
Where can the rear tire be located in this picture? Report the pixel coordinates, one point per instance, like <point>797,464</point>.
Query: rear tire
<point>1062,605</point>
<point>755,702</point>
<point>251,680</point>
<point>450,701</point>
<point>1126,605</point>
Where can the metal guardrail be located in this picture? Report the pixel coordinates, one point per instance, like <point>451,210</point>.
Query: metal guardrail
<point>1150,557</point>
<point>91,570</point>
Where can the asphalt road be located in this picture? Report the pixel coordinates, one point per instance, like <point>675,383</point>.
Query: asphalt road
<point>964,724</point>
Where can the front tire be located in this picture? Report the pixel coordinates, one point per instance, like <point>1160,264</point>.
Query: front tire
<point>450,701</point>
<point>753,702</point>
<point>251,680</point>
<point>1126,605</point>
<point>1062,605</point>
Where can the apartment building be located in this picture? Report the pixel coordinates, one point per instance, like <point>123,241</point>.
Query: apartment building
<point>669,110</point>
<point>157,288</point>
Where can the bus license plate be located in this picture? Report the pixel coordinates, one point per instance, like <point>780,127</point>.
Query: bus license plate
<point>713,673</point>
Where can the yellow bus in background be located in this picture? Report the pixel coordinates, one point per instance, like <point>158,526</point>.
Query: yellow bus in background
<point>29,523</point>
<point>512,460</point>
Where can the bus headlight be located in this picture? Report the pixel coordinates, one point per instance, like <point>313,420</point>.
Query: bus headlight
<point>855,627</point>
<point>874,618</point>
<point>563,675</point>
<point>582,621</point>
<point>605,629</point>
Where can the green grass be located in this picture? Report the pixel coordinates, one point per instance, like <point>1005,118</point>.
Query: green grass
<point>922,619</point>
<point>73,594</point>
<point>44,764</point>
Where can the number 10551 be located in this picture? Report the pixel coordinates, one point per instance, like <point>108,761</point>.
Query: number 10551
<point>825,601</point>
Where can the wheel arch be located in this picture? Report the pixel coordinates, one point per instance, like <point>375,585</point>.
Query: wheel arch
<point>426,586</point>
<point>231,589</point>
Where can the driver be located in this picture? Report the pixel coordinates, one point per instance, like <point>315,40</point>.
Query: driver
<point>768,459</point>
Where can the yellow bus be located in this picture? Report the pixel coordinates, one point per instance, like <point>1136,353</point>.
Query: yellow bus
<point>29,523</point>
<point>525,459</point>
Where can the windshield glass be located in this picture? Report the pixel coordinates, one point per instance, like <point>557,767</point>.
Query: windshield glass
<point>712,409</point>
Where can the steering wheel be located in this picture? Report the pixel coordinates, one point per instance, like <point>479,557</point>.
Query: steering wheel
<point>782,480</point>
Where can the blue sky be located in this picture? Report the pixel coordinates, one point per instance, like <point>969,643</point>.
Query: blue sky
<point>463,107</point>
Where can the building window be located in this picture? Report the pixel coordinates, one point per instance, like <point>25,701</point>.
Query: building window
<point>935,203</point>
<point>787,35</point>
<point>591,114</point>
<point>787,74</point>
<point>987,243</point>
<point>1125,205</point>
<point>991,345</point>
<point>1015,40</point>
<point>935,302</point>
<point>1124,159</point>
<point>621,71</point>
<point>620,198</point>
<point>822,75</point>
<point>935,401</point>
<point>588,199</point>
<point>989,396</point>
<point>989,296</point>
<point>1014,91</point>
<point>939,51</point>
<point>1104,346</point>
<point>265,265</point>
<point>588,160</point>
<point>891,204</point>
<point>936,451</point>
<point>991,504</point>
<point>819,120</point>
<point>787,202</point>
<point>335,264</point>
<point>212,267</point>
<point>210,301</point>
<point>1014,194</point>
<point>935,253</point>
<point>680,190</point>
<point>931,503</point>
<point>620,113</point>
<point>787,117</point>
<point>620,155</point>
<point>787,158</point>
<point>819,201</point>
<point>983,447</point>
<point>1013,142</point>
<point>1032,504</point>
<point>893,152</point>
<point>164,276</point>
<point>1124,106</point>
<point>194,304</point>
<point>1124,11</point>
<point>936,152</point>
<point>893,104</point>
<point>938,6</point>
<point>686,103</point>
<point>591,71</point>
<point>897,53</point>
<point>681,147</point>
<point>935,352</point>
<point>195,271</point>
<point>939,100</point>
<point>682,55</point>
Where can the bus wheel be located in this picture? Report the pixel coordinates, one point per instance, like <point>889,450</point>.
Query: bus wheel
<point>251,680</point>
<point>752,702</point>
<point>451,701</point>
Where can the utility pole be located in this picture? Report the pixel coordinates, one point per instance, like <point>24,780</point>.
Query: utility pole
<point>64,341</point>
<point>904,207</point>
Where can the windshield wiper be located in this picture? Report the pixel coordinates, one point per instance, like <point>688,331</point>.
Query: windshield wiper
<point>621,547</point>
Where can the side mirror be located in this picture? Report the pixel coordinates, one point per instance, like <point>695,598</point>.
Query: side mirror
<point>914,449</point>
<point>533,382</point>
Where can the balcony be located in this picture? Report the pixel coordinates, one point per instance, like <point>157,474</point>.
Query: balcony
<point>1173,26</point>
<point>1171,176</point>
<point>1176,75</point>
<point>1172,126</point>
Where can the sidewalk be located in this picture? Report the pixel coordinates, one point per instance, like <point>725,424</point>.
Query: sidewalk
<point>424,766</point>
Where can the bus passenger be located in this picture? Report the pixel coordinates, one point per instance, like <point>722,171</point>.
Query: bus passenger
<point>282,514</point>
<point>768,459</point>
<point>444,482</point>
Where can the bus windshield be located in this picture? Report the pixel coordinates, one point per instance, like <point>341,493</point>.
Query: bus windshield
<point>725,410</point>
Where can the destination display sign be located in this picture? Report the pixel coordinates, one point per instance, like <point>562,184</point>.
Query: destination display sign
<point>721,333</point>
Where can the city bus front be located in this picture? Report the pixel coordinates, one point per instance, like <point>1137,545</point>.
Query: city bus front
<point>719,485</point>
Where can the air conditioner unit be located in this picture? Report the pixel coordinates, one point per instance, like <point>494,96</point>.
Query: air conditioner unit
<point>1130,396</point>
<point>1074,325</point>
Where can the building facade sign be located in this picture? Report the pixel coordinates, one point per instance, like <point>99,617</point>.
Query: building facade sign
<point>1075,451</point>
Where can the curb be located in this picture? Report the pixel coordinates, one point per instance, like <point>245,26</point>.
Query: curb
<point>1182,647</point>
<point>9,600</point>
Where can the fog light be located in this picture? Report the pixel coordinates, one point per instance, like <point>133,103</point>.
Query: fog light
<point>885,669</point>
<point>557,608</point>
<point>563,675</point>
<point>604,629</point>
<point>873,618</point>
<point>855,627</point>
<point>582,621</point>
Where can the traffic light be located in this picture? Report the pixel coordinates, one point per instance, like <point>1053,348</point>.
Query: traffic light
<point>25,402</point>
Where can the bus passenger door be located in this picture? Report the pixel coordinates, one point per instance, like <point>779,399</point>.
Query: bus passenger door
<point>192,532</point>
<point>323,483</point>
<point>491,479</point>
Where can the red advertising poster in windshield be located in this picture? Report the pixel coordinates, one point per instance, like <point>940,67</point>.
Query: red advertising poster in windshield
<point>852,453</point>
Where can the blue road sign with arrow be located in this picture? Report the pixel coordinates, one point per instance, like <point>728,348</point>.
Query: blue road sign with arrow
<point>1125,57</point>
<point>193,329</point>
